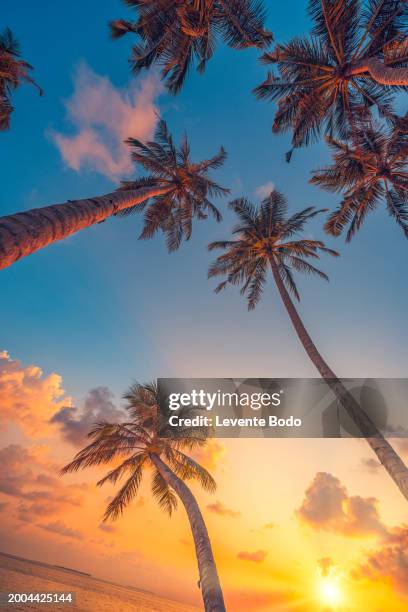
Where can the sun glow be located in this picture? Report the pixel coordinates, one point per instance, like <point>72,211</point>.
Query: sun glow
<point>330,592</point>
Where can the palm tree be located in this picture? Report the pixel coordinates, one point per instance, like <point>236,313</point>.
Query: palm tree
<point>370,170</point>
<point>176,34</point>
<point>265,238</point>
<point>356,53</point>
<point>175,191</point>
<point>12,72</point>
<point>147,441</point>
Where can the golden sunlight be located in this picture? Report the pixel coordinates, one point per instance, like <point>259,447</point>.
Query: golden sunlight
<point>330,592</point>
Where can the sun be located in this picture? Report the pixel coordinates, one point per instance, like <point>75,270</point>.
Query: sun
<point>330,592</point>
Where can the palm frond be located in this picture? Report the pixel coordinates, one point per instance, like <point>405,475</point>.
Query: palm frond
<point>126,494</point>
<point>13,72</point>
<point>320,86</point>
<point>180,36</point>
<point>187,468</point>
<point>262,238</point>
<point>163,494</point>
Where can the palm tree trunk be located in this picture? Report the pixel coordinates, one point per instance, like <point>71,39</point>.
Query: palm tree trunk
<point>209,581</point>
<point>380,72</point>
<point>384,451</point>
<point>24,233</point>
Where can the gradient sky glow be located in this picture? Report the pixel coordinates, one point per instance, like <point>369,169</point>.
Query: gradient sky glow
<point>104,309</point>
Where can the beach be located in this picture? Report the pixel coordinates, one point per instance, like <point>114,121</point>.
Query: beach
<point>23,576</point>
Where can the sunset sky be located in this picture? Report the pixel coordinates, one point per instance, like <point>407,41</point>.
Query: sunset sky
<point>83,319</point>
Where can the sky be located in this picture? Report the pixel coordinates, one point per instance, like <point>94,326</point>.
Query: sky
<point>84,318</point>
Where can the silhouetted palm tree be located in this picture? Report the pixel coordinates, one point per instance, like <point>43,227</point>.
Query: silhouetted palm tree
<point>176,34</point>
<point>147,442</point>
<point>175,191</point>
<point>13,71</point>
<point>265,238</point>
<point>357,50</point>
<point>371,170</point>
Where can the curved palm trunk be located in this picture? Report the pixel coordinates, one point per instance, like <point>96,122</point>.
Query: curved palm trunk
<point>209,581</point>
<point>26,232</point>
<point>384,451</point>
<point>380,72</point>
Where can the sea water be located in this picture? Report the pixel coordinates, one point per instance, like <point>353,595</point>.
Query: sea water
<point>92,595</point>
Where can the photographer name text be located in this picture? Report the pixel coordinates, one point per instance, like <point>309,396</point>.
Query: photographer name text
<point>218,421</point>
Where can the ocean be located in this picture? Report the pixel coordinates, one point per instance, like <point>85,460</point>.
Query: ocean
<point>92,595</point>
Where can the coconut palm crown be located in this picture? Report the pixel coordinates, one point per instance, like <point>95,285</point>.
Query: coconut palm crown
<point>370,170</point>
<point>265,233</point>
<point>355,57</point>
<point>13,71</point>
<point>186,186</point>
<point>134,442</point>
<point>178,33</point>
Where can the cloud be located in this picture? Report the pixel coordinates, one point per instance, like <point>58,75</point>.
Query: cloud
<point>328,507</point>
<point>389,561</point>
<point>29,398</point>
<point>268,526</point>
<point>210,454</point>
<point>23,477</point>
<point>263,191</point>
<point>219,508</point>
<point>256,557</point>
<point>103,117</point>
<point>17,472</point>
<point>61,529</point>
<point>370,465</point>
<point>75,423</point>
<point>107,528</point>
<point>325,564</point>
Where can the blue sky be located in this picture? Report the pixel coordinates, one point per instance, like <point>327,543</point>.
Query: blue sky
<point>103,308</point>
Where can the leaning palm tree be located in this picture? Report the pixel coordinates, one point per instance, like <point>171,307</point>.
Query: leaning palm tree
<point>264,238</point>
<point>176,191</point>
<point>13,71</point>
<point>175,35</point>
<point>146,441</point>
<point>356,56</point>
<point>370,170</point>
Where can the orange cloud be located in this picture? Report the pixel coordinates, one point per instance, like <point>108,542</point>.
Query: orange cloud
<point>256,557</point>
<point>210,454</point>
<point>103,117</point>
<point>29,398</point>
<point>269,526</point>
<point>219,508</point>
<point>107,528</point>
<point>390,561</point>
<point>61,529</point>
<point>327,506</point>
<point>325,564</point>
<point>23,478</point>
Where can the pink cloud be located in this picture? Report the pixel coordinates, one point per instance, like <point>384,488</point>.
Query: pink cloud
<point>263,191</point>
<point>103,117</point>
